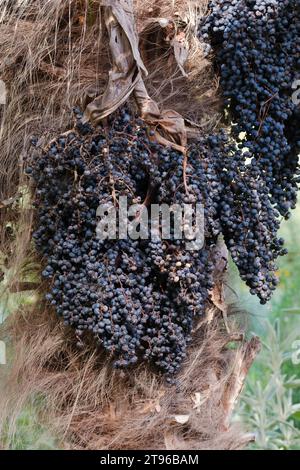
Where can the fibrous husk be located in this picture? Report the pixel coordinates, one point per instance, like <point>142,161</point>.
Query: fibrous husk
<point>54,55</point>
<point>92,406</point>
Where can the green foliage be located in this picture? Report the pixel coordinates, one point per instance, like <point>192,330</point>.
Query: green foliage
<point>270,404</point>
<point>10,302</point>
<point>30,434</point>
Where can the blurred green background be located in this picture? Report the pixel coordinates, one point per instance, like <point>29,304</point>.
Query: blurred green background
<point>270,403</point>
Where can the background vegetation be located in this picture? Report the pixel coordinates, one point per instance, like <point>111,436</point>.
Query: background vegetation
<point>270,404</point>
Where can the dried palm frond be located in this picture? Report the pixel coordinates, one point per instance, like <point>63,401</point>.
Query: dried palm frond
<point>53,53</point>
<point>93,406</point>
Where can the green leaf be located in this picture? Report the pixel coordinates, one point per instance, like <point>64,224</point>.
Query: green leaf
<point>296,416</point>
